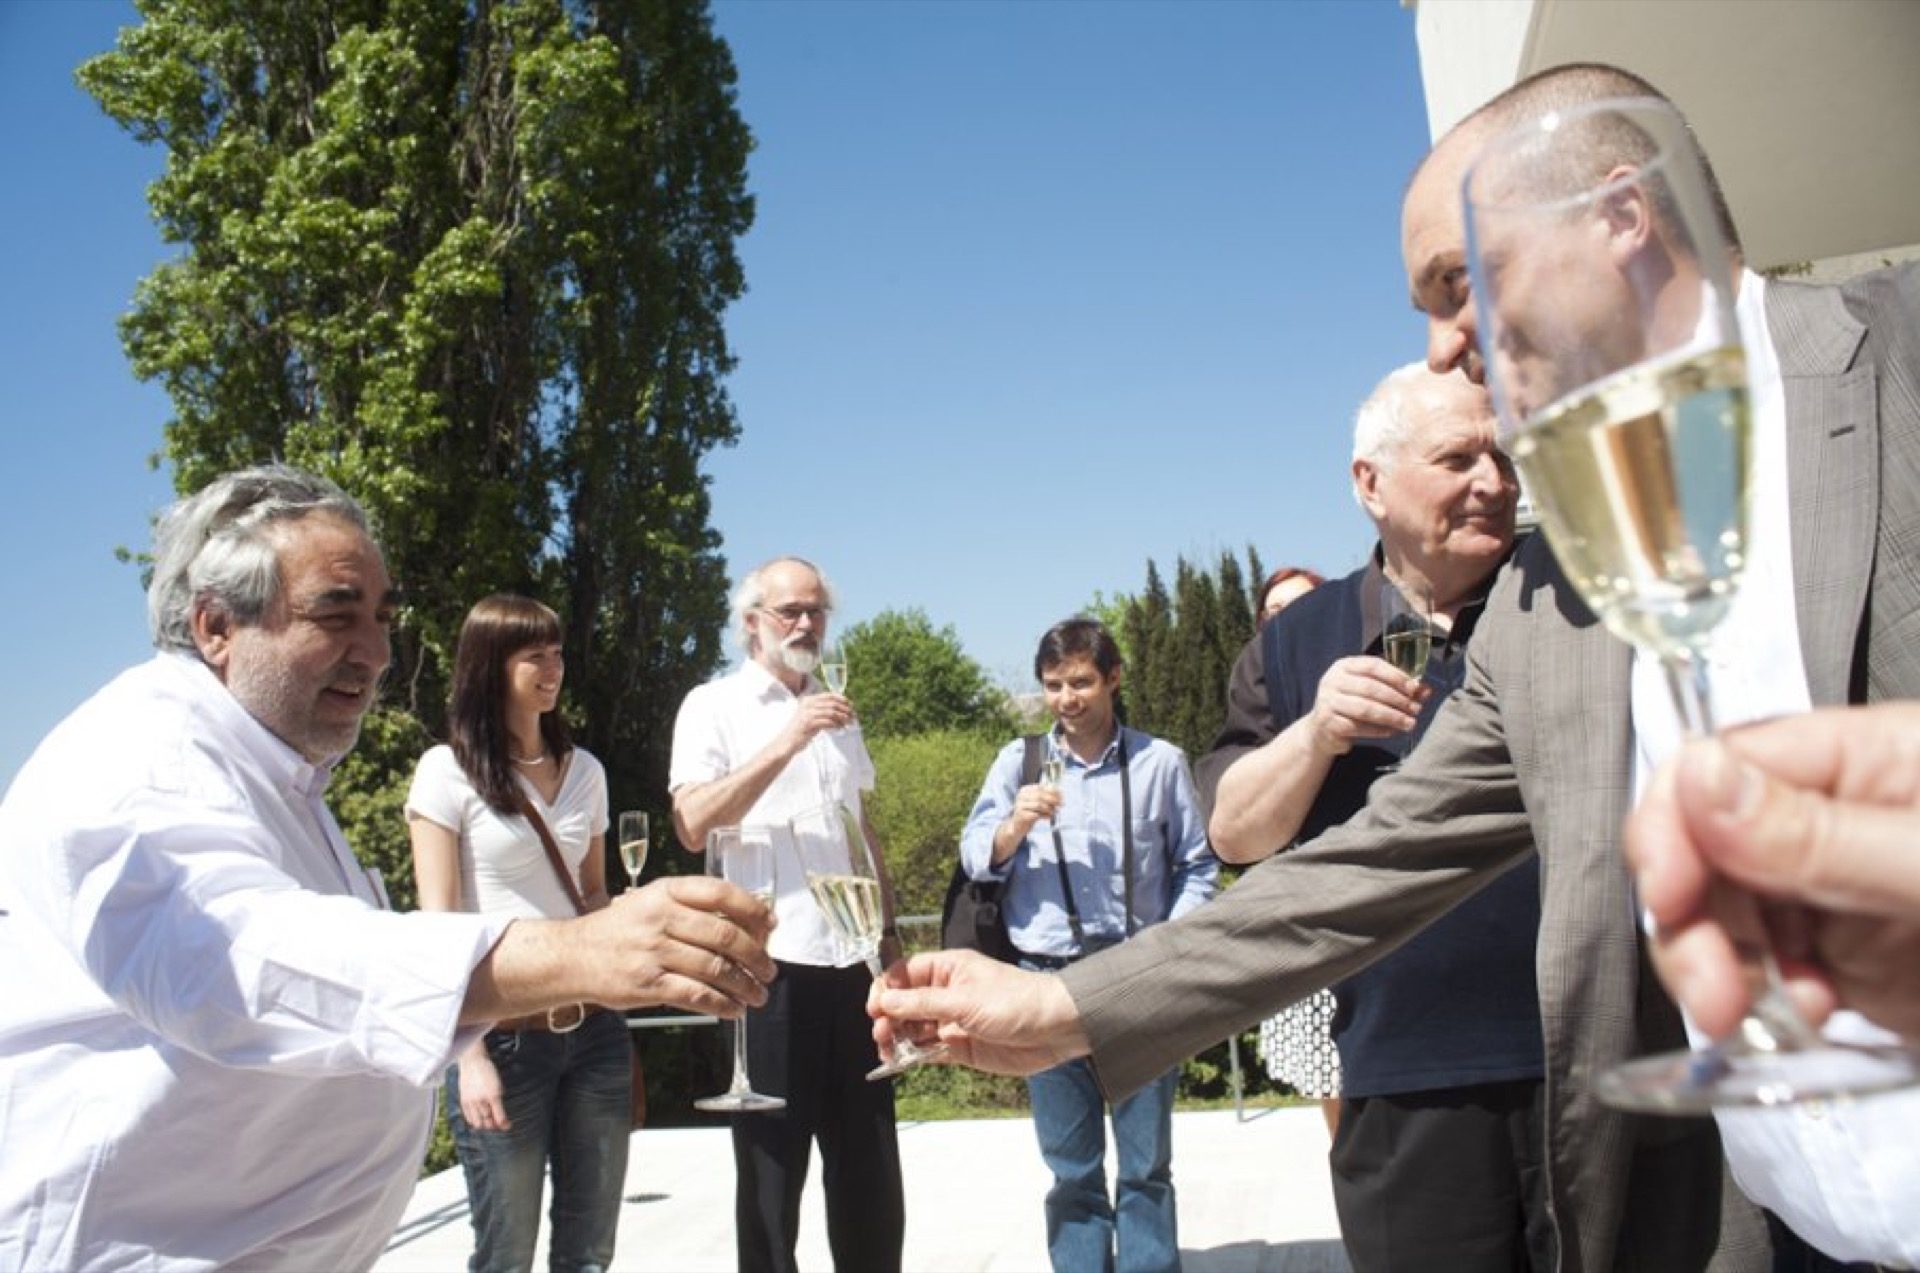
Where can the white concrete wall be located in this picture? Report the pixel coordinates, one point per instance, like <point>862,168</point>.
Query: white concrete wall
<point>1469,50</point>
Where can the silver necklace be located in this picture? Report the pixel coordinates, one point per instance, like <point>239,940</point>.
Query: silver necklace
<point>541,759</point>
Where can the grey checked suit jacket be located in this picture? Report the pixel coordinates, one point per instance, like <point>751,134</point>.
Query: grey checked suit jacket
<point>1534,752</point>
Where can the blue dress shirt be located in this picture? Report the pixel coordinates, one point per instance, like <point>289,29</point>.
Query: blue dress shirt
<point>1174,869</point>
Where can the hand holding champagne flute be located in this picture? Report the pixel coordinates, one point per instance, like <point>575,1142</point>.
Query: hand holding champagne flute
<point>1606,311</point>
<point>845,881</point>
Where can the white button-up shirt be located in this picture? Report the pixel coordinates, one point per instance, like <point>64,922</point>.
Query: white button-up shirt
<point>1845,1176</point>
<point>215,1046</point>
<point>724,724</point>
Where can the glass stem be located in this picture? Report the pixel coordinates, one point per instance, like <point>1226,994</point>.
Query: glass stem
<point>740,1083</point>
<point>1773,1024</point>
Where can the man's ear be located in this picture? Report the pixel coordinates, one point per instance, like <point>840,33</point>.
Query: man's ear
<point>1366,484</point>
<point>212,630</point>
<point>1626,215</point>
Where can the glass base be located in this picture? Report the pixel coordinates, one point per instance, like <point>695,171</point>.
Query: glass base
<point>1701,1081</point>
<point>905,1057</point>
<point>747,1102</point>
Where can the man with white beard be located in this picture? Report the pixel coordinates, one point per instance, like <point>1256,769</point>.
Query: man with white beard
<point>755,748</point>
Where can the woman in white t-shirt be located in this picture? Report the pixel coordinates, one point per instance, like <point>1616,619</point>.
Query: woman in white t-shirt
<point>555,1086</point>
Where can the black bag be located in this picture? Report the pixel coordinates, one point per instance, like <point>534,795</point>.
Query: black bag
<point>970,917</point>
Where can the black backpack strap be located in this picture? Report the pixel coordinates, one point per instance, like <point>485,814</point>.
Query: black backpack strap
<point>1030,766</point>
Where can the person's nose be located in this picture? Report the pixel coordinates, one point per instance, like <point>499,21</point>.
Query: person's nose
<point>1490,477</point>
<point>1447,345</point>
<point>372,646</point>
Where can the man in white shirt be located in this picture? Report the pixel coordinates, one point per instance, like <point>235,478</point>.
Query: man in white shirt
<point>216,1046</point>
<point>758,747</point>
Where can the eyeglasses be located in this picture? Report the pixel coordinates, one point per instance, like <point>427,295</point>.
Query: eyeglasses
<point>790,615</point>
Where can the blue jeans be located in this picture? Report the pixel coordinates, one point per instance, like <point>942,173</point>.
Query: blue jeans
<point>569,1100</point>
<point>1083,1227</point>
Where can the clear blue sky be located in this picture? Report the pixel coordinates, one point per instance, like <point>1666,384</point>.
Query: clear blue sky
<point>1037,291</point>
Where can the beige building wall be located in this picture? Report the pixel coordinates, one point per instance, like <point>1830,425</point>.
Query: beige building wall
<point>1810,108</point>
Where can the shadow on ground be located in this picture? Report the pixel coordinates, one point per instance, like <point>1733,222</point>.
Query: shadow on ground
<point>1322,1256</point>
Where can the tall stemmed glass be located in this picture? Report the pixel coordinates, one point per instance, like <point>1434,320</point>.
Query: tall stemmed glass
<point>1406,632</point>
<point>845,883</point>
<point>833,670</point>
<point>633,841</point>
<point>1406,627</point>
<point>744,857</point>
<point>1606,313</point>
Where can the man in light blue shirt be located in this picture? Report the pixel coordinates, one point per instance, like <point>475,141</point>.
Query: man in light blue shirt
<point>1104,840</point>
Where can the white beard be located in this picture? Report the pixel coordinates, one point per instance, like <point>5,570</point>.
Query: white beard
<point>797,659</point>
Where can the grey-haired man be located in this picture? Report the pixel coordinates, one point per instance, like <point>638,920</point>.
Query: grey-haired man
<point>217,1045</point>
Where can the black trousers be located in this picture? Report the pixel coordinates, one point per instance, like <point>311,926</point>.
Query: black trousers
<point>812,1044</point>
<point>1794,1254</point>
<point>1452,1179</point>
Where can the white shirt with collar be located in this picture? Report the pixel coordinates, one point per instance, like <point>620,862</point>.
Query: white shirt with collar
<point>215,1047</point>
<point>1845,1176</point>
<point>724,724</point>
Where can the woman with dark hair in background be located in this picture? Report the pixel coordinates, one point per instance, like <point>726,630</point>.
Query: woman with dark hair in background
<point>495,818</point>
<point>1284,587</point>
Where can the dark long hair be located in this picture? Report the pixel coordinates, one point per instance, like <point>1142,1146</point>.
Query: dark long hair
<point>497,628</point>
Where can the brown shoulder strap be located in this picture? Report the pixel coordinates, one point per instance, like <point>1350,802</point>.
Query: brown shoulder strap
<point>553,854</point>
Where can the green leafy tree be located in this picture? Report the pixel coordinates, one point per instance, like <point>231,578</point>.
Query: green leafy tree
<point>907,677</point>
<point>925,786</point>
<point>470,261</point>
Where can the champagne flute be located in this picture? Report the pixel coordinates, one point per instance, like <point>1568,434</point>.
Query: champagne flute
<point>845,883</point>
<point>1406,633</point>
<point>744,857</point>
<point>1053,768</point>
<point>633,842</point>
<point>1606,310</point>
<point>1406,627</point>
<point>833,671</point>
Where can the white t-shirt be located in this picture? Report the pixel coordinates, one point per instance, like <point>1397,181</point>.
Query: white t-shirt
<point>725,723</point>
<point>215,1047</point>
<point>503,866</point>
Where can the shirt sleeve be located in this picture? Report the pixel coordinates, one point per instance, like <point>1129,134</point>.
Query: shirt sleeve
<point>1196,872</point>
<point>185,921</point>
<point>1248,725</point>
<point>598,819</point>
<point>699,749</point>
<point>435,794</point>
<point>989,811</point>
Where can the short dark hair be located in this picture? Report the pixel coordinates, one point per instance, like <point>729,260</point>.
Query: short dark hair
<point>1077,637</point>
<point>497,628</point>
<point>1577,83</point>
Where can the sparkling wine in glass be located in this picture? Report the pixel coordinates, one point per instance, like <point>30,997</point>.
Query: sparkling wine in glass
<point>1406,633</point>
<point>1052,770</point>
<point>633,842</point>
<point>845,883</point>
<point>1606,313</point>
<point>833,671</point>
<point>744,857</point>
<point>1406,628</point>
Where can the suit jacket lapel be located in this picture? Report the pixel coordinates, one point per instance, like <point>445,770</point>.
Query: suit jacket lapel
<point>1832,477</point>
